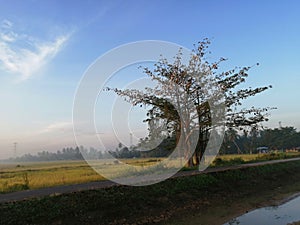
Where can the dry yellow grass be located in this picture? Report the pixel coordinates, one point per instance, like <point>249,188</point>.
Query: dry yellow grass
<point>19,176</point>
<point>46,174</point>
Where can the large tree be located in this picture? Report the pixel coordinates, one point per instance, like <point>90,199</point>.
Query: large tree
<point>183,95</point>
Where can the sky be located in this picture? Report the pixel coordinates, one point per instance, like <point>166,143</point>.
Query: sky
<point>46,47</point>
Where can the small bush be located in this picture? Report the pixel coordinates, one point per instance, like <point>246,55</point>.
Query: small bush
<point>218,162</point>
<point>223,162</point>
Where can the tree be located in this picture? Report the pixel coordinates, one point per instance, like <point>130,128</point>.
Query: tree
<point>183,94</point>
<point>280,138</point>
<point>231,137</point>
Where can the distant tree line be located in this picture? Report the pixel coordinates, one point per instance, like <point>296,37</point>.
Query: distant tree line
<point>81,153</point>
<point>163,149</point>
<point>282,139</point>
<point>64,154</point>
<point>245,142</point>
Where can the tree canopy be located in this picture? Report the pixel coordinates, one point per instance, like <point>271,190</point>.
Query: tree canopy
<point>181,101</point>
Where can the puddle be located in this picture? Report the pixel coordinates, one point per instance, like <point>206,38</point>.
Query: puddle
<point>276,215</point>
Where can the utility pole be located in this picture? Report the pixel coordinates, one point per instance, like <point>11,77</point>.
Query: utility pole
<point>15,149</point>
<point>280,125</point>
<point>130,139</point>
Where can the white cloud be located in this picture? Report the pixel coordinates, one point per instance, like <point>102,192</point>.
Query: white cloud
<point>8,37</point>
<point>65,127</point>
<point>26,60</point>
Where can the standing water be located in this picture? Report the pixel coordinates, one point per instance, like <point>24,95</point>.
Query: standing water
<point>275,215</point>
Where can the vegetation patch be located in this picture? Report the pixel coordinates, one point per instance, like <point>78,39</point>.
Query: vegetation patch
<point>17,177</point>
<point>151,204</point>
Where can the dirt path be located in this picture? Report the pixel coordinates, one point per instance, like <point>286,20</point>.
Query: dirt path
<point>22,195</point>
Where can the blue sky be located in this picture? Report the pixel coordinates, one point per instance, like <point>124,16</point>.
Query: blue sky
<point>46,46</point>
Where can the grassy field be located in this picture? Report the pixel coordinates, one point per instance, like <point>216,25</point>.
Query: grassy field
<point>22,176</point>
<point>235,159</point>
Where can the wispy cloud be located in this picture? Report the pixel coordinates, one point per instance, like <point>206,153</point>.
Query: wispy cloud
<point>26,60</point>
<point>64,127</point>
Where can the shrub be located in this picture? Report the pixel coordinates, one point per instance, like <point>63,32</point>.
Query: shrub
<point>223,162</point>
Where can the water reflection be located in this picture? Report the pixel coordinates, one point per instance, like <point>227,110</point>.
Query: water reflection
<point>276,215</point>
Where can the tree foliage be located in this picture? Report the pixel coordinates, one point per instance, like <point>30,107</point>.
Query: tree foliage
<point>180,87</point>
<point>284,138</point>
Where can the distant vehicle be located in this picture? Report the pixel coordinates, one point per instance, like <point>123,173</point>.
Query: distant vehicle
<point>262,149</point>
